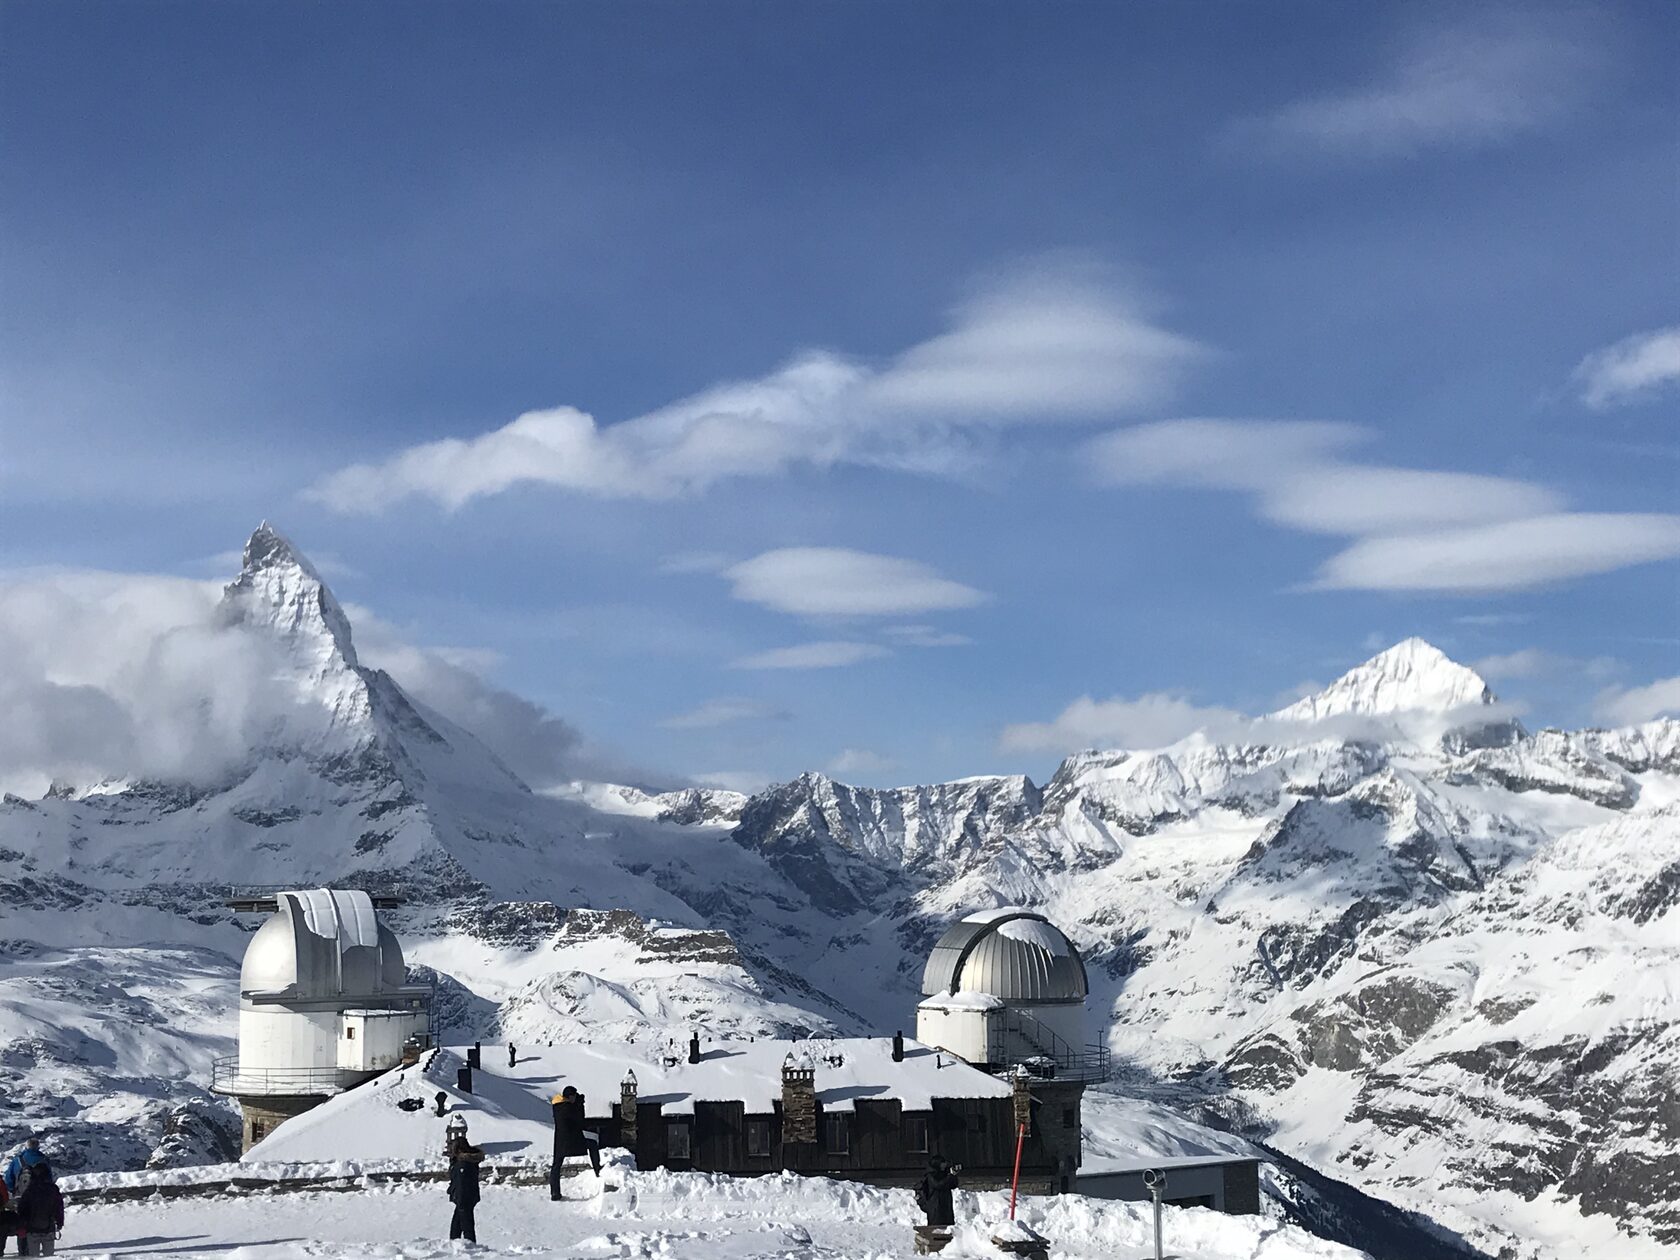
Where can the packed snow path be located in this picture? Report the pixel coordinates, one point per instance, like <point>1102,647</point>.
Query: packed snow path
<point>687,1216</point>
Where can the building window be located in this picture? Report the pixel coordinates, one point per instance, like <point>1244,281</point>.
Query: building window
<point>350,1033</point>
<point>1070,1118</point>
<point>915,1134</point>
<point>676,1141</point>
<point>758,1137</point>
<point>836,1138</point>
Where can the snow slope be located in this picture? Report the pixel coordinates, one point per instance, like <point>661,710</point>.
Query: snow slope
<point>1387,931</point>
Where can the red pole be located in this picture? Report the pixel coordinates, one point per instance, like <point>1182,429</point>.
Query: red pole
<point>1015,1181</point>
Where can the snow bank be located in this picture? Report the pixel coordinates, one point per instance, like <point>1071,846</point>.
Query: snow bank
<point>692,1216</point>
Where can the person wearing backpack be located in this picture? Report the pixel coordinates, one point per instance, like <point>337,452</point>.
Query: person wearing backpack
<point>38,1204</point>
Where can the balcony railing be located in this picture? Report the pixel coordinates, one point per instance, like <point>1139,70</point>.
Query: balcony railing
<point>227,1077</point>
<point>1050,1056</point>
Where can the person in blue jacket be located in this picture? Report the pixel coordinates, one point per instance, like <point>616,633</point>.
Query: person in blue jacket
<point>30,1154</point>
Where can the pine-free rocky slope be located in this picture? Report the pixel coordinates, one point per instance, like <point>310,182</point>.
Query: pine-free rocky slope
<point>1386,930</point>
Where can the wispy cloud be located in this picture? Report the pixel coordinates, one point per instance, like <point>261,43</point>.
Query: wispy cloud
<point>724,711</point>
<point>1508,556</point>
<point>862,761</point>
<point>1635,369</point>
<point>925,637</point>
<point>1147,721</point>
<point>684,562</point>
<point>1470,85</point>
<point>1048,344</point>
<point>837,582</point>
<point>1540,663</point>
<point>1630,706</point>
<point>1414,529</point>
<point>824,654</point>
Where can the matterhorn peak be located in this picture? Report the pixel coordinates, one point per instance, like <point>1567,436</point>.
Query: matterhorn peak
<point>279,590</point>
<point>1412,676</point>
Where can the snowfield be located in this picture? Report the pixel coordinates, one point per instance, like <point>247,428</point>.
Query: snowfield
<point>685,1216</point>
<point>1386,931</point>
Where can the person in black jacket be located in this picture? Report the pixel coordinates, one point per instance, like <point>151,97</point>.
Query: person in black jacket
<point>464,1159</point>
<point>933,1193</point>
<point>569,1137</point>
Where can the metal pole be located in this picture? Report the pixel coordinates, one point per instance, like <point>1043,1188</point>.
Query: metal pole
<point>1157,1194</point>
<point>1015,1181</point>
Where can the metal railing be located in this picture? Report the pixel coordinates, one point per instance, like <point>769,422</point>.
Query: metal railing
<point>227,1077</point>
<point>1053,1058</point>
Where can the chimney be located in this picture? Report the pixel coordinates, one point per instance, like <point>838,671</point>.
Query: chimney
<point>463,1079</point>
<point>799,1100</point>
<point>898,1047</point>
<point>1022,1098</point>
<point>694,1048</point>
<point>627,1111</point>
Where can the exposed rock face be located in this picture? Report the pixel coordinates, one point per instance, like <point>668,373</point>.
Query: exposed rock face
<point>1387,928</point>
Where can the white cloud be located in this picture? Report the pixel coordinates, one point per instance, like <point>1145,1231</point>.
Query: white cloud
<point>1415,529</point>
<point>1633,370</point>
<point>1467,86</point>
<point>1540,663</point>
<point>1048,345</point>
<point>746,782</point>
<point>1039,347</point>
<point>1629,707</point>
<point>722,712</point>
<point>827,654</point>
<point>1301,479</point>
<point>925,637</point>
<point>1506,556</point>
<point>1154,720</point>
<point>860,761</point>
<point>837,582</point>
<point>113,675</point>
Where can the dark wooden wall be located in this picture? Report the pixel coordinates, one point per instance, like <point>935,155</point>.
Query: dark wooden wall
<point>977,1133</point>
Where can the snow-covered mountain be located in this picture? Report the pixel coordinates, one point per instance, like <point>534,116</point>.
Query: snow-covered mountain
<point>1387,931</point>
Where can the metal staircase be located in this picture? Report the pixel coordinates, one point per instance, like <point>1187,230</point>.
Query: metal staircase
<point>1053,1057</point>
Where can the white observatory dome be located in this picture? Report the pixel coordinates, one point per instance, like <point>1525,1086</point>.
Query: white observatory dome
<point>322,945</point>
<point>1012,954</point>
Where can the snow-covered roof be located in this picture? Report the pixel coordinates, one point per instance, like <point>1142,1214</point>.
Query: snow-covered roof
<point>510,1106</point>
<point>1014,954</point>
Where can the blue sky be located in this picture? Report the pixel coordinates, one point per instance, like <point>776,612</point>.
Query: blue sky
<point>868,333</point>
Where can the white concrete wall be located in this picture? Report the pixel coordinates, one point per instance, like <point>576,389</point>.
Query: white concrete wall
<point>277,1039</point>
<point>963,1032</point>
<point>378,1040</point>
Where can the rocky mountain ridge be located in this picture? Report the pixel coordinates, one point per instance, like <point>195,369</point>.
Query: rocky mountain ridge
<point>1385,937</point>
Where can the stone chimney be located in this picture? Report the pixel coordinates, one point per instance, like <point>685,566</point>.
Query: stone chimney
<point>799,1100</point>
<point>1022,1098</point>
<point>627,1111</point>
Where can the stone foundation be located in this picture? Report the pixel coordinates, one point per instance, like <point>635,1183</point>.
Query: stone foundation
<point>267,1112</point>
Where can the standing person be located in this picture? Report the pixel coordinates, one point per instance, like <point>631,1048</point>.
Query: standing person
<point>464,1159</point>
<point>513,1057</point>
<point>8,1220</point>
<point>934,1193</point>
<point>39,1207</point>
<point>30,1154</point>
<point>569,1137</point>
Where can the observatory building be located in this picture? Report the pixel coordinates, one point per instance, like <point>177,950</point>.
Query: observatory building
<point>1005,988</point>
<point>324,1004</point>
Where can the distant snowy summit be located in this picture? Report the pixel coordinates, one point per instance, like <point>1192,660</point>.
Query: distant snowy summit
<point>1413,676</point>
